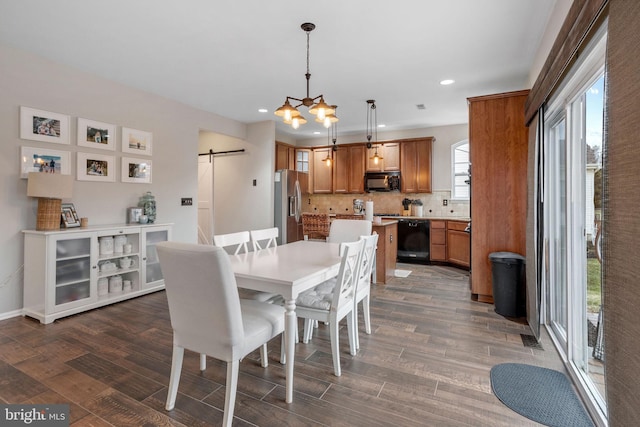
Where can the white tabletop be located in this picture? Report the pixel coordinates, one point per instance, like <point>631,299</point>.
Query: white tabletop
<point>288,269</point>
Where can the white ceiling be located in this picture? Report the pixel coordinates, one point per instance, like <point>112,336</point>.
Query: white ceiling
<point>233,57</point>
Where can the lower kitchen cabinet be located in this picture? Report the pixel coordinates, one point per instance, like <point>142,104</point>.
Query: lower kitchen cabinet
<point>458,244</point>
<point>438,240</point>
<point>387,250</point>
<point>69,271</point>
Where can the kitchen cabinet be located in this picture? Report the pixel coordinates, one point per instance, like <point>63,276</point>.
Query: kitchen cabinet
<point>458,243</point>
<point>321,173</point>
<point>348,169</point>
<point>498,149</point>
<point>387,250</point>
<point>438,240</point>
<point>390,153</point>
<point>285,156</point>
<point>69,271</point>
<point>415,165</point>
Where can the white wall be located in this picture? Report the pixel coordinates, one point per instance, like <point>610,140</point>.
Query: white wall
<point>237,204</point>
<point>445,137</point>
<point>27,80</point>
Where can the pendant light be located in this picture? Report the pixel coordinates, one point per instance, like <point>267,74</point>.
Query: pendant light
<point>372,129</point>
<point>332,135</point>
<point>324,113</point>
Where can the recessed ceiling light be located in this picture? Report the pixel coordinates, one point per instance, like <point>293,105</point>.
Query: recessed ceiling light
<point>263,110</point>
<point>382,125</point>
<point>447,82</point>
<point>316,132</point>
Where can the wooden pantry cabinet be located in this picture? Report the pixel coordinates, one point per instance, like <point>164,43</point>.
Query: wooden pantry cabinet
<point>65,271</point>
<point>498,144</point>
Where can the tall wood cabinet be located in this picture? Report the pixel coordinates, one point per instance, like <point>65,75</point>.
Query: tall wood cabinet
<point>321,173</point>
<point>74,270</point>
<point>348,169</point>
<point>498,140</point>
<point>415,165</point>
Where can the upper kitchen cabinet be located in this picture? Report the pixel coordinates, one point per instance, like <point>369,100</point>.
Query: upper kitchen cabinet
<point>415,165</point>
<point>498,154</point>
<point>322,174</point>
<point>348,169</point>
<point>390,153</point>
<point>285,156</point>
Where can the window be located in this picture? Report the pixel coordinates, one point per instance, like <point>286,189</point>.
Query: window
<point>460,170</point>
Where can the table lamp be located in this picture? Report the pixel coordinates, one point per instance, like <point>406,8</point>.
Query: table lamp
<point>50,189</point>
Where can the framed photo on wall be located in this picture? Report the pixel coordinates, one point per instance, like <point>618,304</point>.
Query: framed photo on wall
<point>42,160</point>
<point>96,134</point>
<point>136,170</point>
<point>39,125</point>
<point>96,167</point>
<point>69,217</point>
<point>136,141</point>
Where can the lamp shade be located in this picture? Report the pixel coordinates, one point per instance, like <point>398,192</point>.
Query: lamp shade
<point>48,185</point>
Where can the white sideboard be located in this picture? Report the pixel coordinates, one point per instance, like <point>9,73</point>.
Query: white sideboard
<point>65,271</point>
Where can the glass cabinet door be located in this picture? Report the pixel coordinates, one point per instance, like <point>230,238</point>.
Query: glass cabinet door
<point>152,236</point>
<point>73,268</point>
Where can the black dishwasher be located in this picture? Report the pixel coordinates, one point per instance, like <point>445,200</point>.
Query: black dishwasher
<point>413,240</point>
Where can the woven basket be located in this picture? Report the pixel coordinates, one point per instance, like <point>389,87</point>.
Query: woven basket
<point>315,226</point>
<point>49,214</point>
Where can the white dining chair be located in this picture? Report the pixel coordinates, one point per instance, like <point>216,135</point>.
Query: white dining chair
<point>363,289</point>
<point>267,236</point>
<point>236,243</point>
<point>333,300</point>
<point>208,317</point>
<point>348,230</point>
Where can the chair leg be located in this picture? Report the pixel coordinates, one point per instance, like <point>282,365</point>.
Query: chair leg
<point>351,334</point>
<point>367,315</point>
<point>335,349</point>
<point>283,350</point>
<point>203,361</point>
<point>176,368</point>
<point>356,338</point>
<point>264,361</point>
<point>308,330</point>
<point>230,396</point>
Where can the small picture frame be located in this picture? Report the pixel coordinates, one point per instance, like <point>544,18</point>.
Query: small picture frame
<point>136,170</point>
<point>44,161</point>
<point>96,167</point>
<point>136,141</point>
<point>96,134</point>
<point>45,126</point>
<point>69,217</point>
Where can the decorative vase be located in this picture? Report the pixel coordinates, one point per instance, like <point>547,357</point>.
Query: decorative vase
<point>148,205</point>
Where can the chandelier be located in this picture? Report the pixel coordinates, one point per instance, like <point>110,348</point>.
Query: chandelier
<point>372,129</point>
<point>324,113</point>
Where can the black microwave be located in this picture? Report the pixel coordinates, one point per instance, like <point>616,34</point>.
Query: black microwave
<point>382,181</point>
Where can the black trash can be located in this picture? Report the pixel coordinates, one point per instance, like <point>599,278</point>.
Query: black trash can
<point>509,293</point>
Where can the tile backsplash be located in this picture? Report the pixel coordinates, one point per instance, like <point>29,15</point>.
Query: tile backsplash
<point>389,203</point>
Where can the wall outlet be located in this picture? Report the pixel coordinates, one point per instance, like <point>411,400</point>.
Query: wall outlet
<point>445,202</point>
<point>186,201</point>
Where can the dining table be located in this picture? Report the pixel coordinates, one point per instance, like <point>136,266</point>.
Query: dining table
<point>287,270</point>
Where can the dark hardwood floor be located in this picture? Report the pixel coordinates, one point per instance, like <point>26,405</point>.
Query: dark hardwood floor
<point>426,363</point>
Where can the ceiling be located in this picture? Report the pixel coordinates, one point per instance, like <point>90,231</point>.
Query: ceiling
<point>235,57</point>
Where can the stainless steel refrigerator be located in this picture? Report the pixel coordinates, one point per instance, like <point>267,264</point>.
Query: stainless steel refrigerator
<point>291,189</point>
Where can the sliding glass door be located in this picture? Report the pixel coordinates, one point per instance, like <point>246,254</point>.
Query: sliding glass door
<point>572,228</point>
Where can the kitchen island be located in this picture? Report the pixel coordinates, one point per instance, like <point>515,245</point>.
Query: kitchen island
<point>387,250</point>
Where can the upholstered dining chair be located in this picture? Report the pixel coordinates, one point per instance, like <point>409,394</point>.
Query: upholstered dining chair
<point>236,243</point>
<point>363,290</point>
<point>208,317</point>
<point>267,236</point>
<point>333,300</point>
<point>348,230</point>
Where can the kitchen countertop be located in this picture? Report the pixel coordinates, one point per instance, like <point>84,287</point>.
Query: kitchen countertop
<point>463,219</point>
